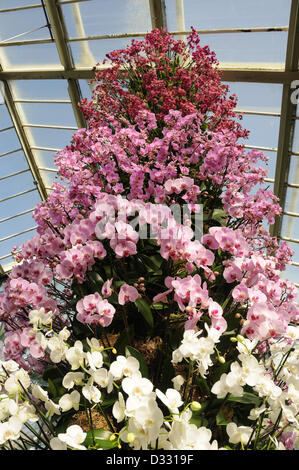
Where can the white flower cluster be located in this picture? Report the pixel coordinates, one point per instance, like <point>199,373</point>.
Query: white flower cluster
<point>180,434</point>
<point>274,380</point>
<point>137,405</point>
<point>14,412</point>
<point>139,410</point>
<point>197,349</point>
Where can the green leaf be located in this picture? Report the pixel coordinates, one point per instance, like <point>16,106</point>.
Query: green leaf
<point>167,374</point>
<point>51,372</point>
<point>219,215</point>
<point>80,330</point>
<point>113,299</point>
<point>247,398</point>
<point>145,311</point>
<point>225,302</point>
<point>109,401</point>
<point>99,438</point>
<point>51,388</point>
<point>95,277</point>
<point>221,369</point>
<point>159,306</point>
<point>122,340</point>
<point>199,420</point>
<point>220,420</point>
<point>151,262</point>
<point>203,385</point>
<point>130,351</point>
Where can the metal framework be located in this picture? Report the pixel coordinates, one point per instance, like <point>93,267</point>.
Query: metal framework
<point>288,117</point>
<point>67,71</point>
<point>60,35</point>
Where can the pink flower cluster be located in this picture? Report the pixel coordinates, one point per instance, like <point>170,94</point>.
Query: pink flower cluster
<point>93,310</point>
<point>75,261</point>
<point>171,140</point>
<point>166,82</point>
<point>192,296</point>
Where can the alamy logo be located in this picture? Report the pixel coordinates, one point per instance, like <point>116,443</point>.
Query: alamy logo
<point>149,221</point>
<point>295,93</point>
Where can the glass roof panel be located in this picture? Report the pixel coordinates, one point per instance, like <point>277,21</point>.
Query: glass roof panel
<point>296,137</point>
<point>7,245</point>
<point>13,225</point>
<point>257,96</point>
<point>13,162</point>
<point>288,227</point>
<point>86,88</point>
<point>5,120</point>
<point>15,184</point>
<point>23,24</point>
<point>292,202</point>
<point>8,141</point>
<point>49,137</point>
<point>33,56</point>
<point>40,89</point>
<point>47,113</point>
<point>268,186</point>
<point>218,14</point>
<point>96,19</point>
<point>45,158</point>
<point>16,3</point>
<point>294,170</point>
<point>248,49</point>
<point>270,166</point>
<point>89,53</point>
<point>49,177</point>
<point>291,272</point>
<point>263,130</point>
<point>19,203</point>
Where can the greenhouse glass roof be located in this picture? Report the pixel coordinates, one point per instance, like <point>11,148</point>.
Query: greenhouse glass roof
<point>47,53</point>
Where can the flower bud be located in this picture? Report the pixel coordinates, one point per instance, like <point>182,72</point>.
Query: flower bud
<point>112,437</point>
<point>189,309</point>
<point>114,351</point>
<point>195,406</point>
<point>221,359</point>
<point>233,339</point>
<point>240,338</point>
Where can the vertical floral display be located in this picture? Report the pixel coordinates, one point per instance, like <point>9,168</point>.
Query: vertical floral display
<point>148,311</point>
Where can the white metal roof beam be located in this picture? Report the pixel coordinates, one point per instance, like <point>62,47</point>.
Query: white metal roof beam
<point>180,32</point>
<point>287,121</point>
<point>37,5</point>
<point>60,35</point>
<point>228,75</point>
<point>28,211</point>
<point>18,234</point>
<point>158,13</point>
